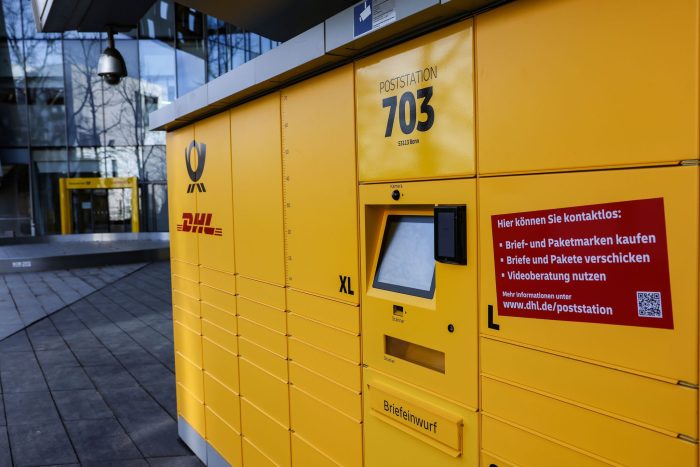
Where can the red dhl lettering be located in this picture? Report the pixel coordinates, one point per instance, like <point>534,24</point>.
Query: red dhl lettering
<point>198,222</point>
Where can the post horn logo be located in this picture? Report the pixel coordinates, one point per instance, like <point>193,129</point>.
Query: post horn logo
<point>201,151</point>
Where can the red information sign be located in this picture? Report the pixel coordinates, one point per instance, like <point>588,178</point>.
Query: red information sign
<point>603,263</point>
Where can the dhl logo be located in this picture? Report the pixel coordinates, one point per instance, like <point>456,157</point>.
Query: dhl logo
<point>198,222</point>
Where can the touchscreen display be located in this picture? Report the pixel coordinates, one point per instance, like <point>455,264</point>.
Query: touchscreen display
<point>407,258</point>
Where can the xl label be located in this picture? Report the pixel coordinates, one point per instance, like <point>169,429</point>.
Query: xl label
<point>604,263</point>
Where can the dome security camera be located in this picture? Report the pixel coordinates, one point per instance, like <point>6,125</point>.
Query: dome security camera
<point>111,66</point>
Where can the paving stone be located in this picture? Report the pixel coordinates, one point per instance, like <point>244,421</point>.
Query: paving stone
<point>67,377</point>
<point>40,444</point>
<point>153,374</point>
<point>44,328</point>
<point>27,408</point>
<point>15,343</point>
<point>110,377</point>
<point>83,339</point>
<point>67,325</point>
<point>11,324</point>
<point>116,342</point>
<point>5,456</point>
<point>32,315</point>
<point>18,361</point>
<point>135,358</point>
<point>164,394</point>
<point>23,380</point>
<point>48,343</point>
<point>84,404</point>
<point>101,440</point>
<point>131,402</point>
<point>54,358</point>
<point>98,356</point>
<point>154,434</point>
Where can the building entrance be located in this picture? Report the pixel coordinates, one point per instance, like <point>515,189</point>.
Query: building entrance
<point>99,205</point>
<point>101,210</point>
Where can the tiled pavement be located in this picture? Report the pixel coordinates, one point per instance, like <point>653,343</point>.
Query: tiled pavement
<point>28,297</point>
<point>93,383</point>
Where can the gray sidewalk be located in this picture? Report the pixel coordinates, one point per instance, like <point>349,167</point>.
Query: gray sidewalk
<point>93,383</point>
<point>28,297</point>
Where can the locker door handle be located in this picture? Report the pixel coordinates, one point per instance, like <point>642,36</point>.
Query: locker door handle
<point>491,324</point>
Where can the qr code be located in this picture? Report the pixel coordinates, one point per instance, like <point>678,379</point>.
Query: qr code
<point>649,304</point>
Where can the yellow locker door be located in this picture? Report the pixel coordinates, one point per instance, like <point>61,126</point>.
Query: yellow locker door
<point>257,188</point>
<point>407,426</point>
<point>320,183</point>
<point>214,194</point>
<point>415,108</point>
<point>601,266</point>
<point>181,201</point>
<point>617,441</point>
<point>565,84</point>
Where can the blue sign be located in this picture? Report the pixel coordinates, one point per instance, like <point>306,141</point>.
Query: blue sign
<point>362,16</point>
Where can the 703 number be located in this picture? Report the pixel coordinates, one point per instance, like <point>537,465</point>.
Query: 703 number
<point>410,122</point>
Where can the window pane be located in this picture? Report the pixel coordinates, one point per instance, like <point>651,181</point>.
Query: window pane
<point>123,109</point>
<point>191,53</point>
<point>218,48</point>
<point>103,162</point>
<point>158,22</point>
<point>219,59</point>
<point>153,163</point>
<point>254,41</point>
<point>157,64</point>
<point>10,19</point>
<point>120,162</point>
<point>49,167</point>
<point>84,103</point>
<point>154,203</point>
<point>238,46</point>
<point>29,26</point>
<point>13,111</point>
<point>85,162</point>
<point>190,72</point>
<point>189,28</point>
<point>14,194</point>
<point>46,98</point>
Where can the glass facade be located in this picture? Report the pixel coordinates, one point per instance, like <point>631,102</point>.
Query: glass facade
<point>58,119</point>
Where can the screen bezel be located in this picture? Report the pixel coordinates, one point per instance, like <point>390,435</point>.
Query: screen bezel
<point>390,218</point>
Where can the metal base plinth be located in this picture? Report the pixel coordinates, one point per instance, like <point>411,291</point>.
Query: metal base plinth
<point>199,446</point>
